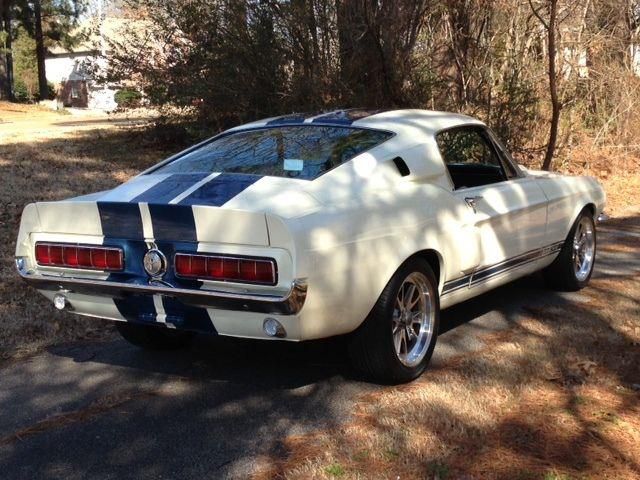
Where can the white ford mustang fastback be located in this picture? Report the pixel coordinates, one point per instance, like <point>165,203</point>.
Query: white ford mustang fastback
<point>304,227</point>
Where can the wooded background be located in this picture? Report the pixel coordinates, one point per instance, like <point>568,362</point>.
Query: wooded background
<point>540,72</point>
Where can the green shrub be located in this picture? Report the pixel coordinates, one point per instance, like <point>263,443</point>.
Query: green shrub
<point>51,91</point>
<point>128,97</point>
<point>20,91</point>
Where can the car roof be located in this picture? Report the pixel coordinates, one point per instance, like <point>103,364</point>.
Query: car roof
<point>428,121</point>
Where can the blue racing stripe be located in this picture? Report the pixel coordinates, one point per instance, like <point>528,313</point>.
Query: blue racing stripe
<point>293,118</point>
<point>187,317</point>
<point>174,227</point>
<point>169,188</point>
<point>220,190</point>
<point>173,222</point>
<point>120,220</point>
<point>137,308</point>
<point>345,117</point>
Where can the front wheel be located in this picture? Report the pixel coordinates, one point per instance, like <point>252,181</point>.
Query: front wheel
<point>573,267</point>
<point>395,343</point>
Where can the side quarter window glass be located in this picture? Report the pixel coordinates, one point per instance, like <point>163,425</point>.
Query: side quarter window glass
<point>507,160</point>
<point>470,157</point>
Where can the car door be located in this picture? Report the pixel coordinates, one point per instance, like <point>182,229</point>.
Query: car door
<point>509,209</point>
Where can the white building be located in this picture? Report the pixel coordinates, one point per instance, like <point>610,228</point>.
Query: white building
<point>71,70</point>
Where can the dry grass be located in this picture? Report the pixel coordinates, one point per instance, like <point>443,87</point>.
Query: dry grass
<point>617,170</point>
<point>41,159</point>
<point>556,396</point>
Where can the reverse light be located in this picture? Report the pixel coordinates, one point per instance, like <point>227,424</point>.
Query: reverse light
<point>76,256</point>
<point>226,268</point>
<point>273,328</point>
<point>60,301</point>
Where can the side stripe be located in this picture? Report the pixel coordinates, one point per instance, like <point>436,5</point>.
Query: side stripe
<point>528,257</point>
<point>456,284</point>
<point>491,271</point>
<point>220,190</point>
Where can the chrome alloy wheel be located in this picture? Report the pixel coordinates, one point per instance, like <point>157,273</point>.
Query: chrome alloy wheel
<point>413,319</point>
<point>584,248</point>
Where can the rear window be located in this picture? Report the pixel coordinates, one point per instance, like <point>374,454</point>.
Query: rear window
<point>303,152</point>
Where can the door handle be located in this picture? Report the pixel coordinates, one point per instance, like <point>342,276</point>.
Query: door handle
<point>473,201</point>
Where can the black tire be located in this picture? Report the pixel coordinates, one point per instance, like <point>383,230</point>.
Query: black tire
<point>561,274</point>
<point>372,349</point>
<point>150,337</point>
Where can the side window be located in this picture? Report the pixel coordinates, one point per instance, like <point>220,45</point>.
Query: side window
<point>507,160</point>
<point>470,157</point>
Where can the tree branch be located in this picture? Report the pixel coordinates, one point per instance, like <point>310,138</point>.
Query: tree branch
<point>537,14</point>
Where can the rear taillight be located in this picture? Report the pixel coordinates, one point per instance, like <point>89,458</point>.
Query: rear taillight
<point>227,269</point>
<point>75,256</point>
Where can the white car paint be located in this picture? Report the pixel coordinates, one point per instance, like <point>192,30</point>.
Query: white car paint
<point>347,232</point>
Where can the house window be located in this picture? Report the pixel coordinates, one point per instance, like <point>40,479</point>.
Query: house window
<point>75,93</point>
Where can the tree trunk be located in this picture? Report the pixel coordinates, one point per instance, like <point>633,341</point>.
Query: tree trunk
<point>40,51</point>
<point>6,59</point>
<point>553,86</point>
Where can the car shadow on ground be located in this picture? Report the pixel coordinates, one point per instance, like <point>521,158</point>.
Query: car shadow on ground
<point>221,408</point>
<point>283,364</point>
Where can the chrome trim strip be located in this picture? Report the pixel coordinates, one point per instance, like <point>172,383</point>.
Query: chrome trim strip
<point>289,304</point>
<point>603,217</point>
<point>487,273</point>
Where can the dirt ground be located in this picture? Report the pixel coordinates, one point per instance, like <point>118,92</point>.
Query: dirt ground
<point>45,155</point>
<point>554,397</point>
<point>559,396</point>
<point>49,155</point>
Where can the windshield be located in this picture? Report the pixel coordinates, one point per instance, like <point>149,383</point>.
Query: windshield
<point>303,152</point>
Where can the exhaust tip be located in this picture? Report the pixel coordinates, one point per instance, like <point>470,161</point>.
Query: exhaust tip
<point>273,328</point>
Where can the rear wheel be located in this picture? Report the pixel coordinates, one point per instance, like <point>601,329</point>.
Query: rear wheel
<point>573,267</point>
<point>396,341</point>
<point>153,338</point>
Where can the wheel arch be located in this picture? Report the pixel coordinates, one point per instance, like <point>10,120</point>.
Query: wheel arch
<point>591,207</point>
<point>436,262</point>
<point>578,209</point>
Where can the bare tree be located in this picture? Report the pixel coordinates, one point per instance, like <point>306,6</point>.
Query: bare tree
<point>6,59</point>
<point>556,106</point>
<point>40,50</point>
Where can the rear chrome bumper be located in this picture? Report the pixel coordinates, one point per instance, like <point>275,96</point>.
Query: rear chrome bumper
<point>289,304</point>
<point>603,217</point>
